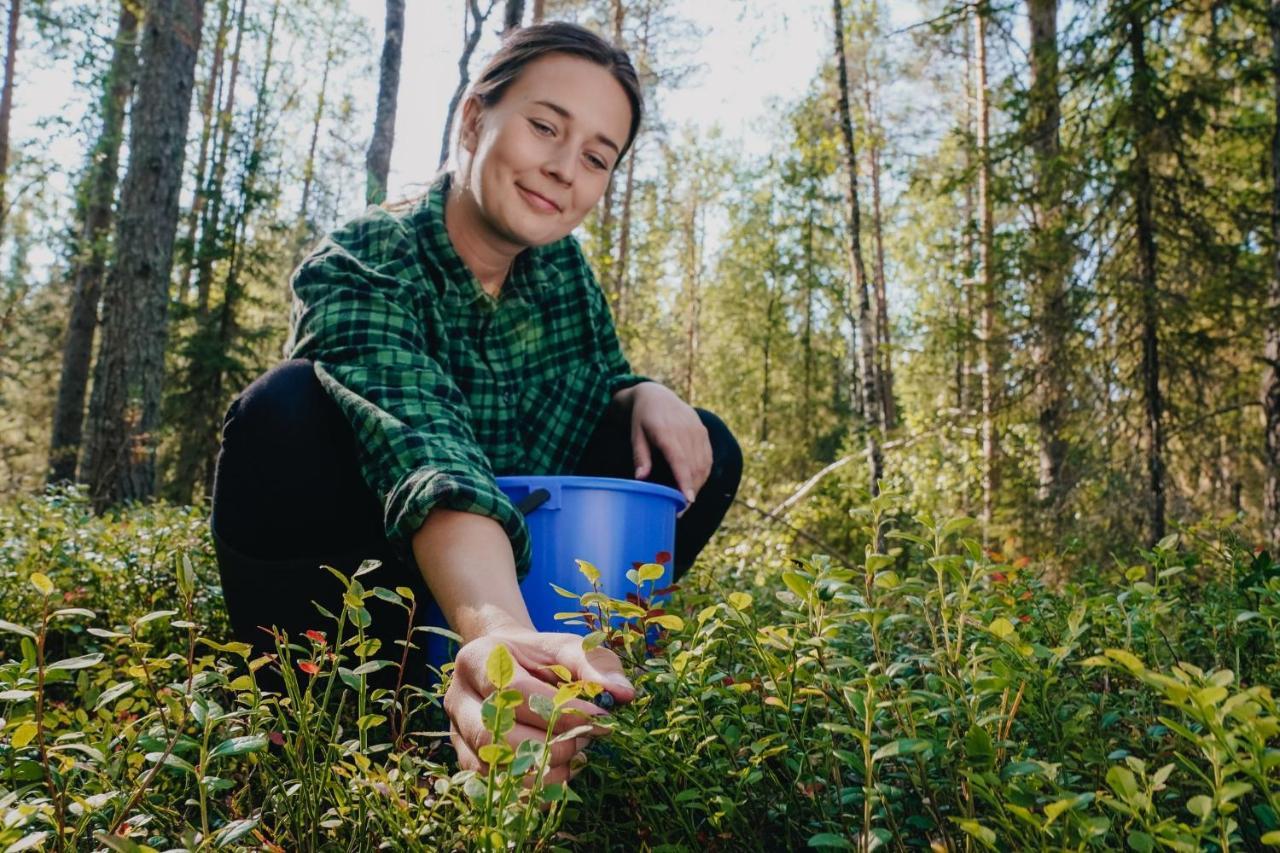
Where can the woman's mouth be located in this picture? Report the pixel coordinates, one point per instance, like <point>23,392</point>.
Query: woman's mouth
<point>538,202</point>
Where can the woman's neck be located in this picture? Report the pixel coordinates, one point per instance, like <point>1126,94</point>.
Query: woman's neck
<point>487,255</point>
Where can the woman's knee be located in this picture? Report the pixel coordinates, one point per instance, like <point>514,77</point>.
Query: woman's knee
<point>282,406</point>
<point>726,454</point>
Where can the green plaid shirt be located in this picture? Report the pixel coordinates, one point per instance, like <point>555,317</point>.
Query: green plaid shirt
<point>445,386</point>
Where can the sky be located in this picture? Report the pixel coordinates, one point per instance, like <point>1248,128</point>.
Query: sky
<point>753,51</point>
<point>753,54</point>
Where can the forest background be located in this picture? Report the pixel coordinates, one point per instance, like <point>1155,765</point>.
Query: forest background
<point>1049,300</point>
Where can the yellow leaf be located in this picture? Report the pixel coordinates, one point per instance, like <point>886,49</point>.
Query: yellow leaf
<point>651,572</point>
<point>42,583</point>
<point>500,667</point>
<point>1127,659</point>
<point>562,591</point>
<point>564,694</point>
<point>705,613</point>
<point>670,621</point>
<point>738,601</point>
<point>590,572</point>
<point>562,671</point>
<point>1001,627</point>
<point>23,736</point>
<point>775,701</point>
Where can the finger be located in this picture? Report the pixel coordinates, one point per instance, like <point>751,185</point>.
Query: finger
<point>640,449</point>
<point>467,758</point>
<point>573,713</point>
<point>602,666</point>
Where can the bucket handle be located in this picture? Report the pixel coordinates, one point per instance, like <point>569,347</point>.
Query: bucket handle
<point>533,500</point>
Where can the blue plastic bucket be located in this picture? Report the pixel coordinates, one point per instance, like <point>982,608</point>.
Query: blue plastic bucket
<point>609,522</point>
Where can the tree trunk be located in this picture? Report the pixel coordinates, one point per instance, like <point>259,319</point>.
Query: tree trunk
<point>6,105</point>
<point>464,72</point>
<point>207,135</point>
<point>986,252</point>
<point>97,196</point>
<point>964,359</point>
<point>1271,351</point>
<point>884,350</point>
<point>309,167</point>
<point>1050,254</point>
<point>378,159</point>
<point>1144,115</point>
<point>539,9</point>
<point>129,374</point>
<point>211,237</point>
<point>512,17</point>
<point>865,331</point>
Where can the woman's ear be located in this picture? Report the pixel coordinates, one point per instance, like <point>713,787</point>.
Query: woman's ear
<point>469,130</point>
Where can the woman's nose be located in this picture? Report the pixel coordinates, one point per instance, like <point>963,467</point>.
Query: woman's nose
<point>560,165</point>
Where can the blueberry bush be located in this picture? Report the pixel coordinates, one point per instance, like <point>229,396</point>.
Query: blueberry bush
<point>935,694</point>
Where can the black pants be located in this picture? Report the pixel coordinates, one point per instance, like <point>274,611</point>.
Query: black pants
<point>288,497</point>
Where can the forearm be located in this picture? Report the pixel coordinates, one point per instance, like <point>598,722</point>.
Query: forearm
<point>466,561</point>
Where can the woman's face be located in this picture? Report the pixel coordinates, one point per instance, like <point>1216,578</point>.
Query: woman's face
<point>541,157</point>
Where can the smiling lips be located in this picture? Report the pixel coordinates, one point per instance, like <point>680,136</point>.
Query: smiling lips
<point>539,202</point>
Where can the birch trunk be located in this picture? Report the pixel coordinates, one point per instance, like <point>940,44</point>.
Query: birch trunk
<point>378,158</point>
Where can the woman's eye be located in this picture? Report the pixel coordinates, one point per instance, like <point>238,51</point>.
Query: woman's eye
<point>598,163</point>
<point>544,129</point>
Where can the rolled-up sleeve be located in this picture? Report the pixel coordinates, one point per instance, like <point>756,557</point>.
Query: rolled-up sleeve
<point>357,319</point>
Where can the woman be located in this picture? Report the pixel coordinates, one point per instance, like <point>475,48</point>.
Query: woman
<point>438,345</point>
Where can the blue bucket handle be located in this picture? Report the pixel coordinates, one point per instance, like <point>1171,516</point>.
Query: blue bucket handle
<point>533,500</point>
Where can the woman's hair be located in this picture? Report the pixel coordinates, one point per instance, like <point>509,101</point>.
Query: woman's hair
<point>534,42</point>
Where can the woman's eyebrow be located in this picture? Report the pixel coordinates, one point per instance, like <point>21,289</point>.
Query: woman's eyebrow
<point>556,108</point>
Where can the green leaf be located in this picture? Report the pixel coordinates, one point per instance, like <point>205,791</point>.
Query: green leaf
<point>118,843</point>
<point>1141,842</point>
<point>737,600</point>
<point>500,668</point>
<point>592,640</point>
<point>902,746</point>
<point>978,831</point>
<point>1200,806</point>
<point>16,629</point>
<point>186,576</point>
<point>1054,809</point>
<point>113,693</point>
<point>171,760</point>
<point>24,734</point>
<point>234,831</point>
<point>796,584</point>
<point>1122,781</point>
<point>68,612</point>
<point>27,842</point>
<point>1272,838</point>
<point>495,753</point>
<point>152,616</point>
<point>368,721</point>
<point>16,695</point>
<point>542,706</point>
<point>830,839</point>
<point>239,746</point>
<point>81,662</point>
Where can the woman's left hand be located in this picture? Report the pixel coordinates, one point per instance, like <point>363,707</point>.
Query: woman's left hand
<point>661,419</point>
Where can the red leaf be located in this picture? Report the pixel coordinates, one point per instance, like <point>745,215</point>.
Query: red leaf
<point>277,738</point>
<point>636,564</point>
<point>309,667</point>
<point>662,557</point>
<point>657,611</point>
<point>667,590</point>
<point>315,636</point>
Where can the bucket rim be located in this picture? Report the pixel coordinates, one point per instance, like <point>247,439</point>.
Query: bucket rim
<point>570,481</point>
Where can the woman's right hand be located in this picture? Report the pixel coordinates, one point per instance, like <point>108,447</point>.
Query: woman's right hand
<point>532,652</point>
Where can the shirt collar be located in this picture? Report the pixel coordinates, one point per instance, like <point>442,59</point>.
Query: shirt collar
<point>459,286</point>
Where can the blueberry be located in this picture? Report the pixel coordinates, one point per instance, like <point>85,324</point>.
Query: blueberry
<point>604,699</point>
